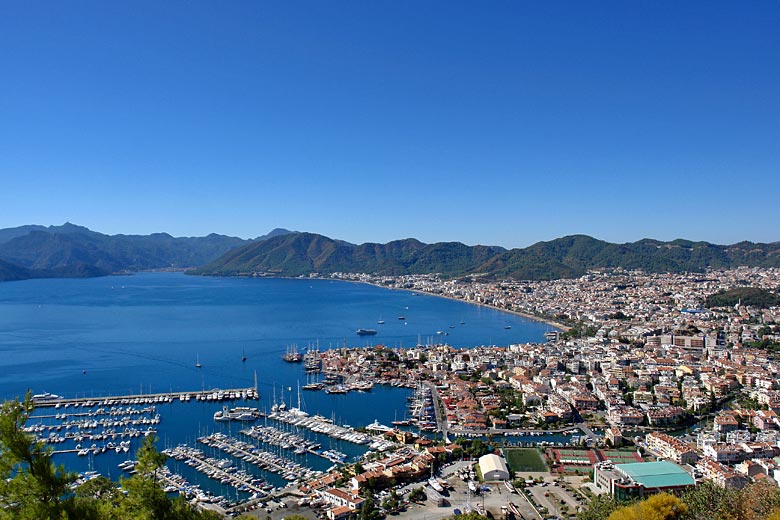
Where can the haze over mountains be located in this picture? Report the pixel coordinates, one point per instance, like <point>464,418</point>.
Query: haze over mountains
<point>74,251</point>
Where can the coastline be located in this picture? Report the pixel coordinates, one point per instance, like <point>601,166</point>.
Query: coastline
<point>561,327</point>
<point>554,324</point>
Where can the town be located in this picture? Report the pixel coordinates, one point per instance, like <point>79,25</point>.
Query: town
<point>643,388</point>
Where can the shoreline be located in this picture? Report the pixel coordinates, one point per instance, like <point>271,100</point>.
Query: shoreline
<point>561,327</point>
<point>554,324</point>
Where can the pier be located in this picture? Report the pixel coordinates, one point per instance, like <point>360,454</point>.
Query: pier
<point>215,394</point>
<point>287,469</point>
<point>285,440</point>
<point>221,470</point>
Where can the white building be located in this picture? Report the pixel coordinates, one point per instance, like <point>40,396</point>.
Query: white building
<point>493,467</point>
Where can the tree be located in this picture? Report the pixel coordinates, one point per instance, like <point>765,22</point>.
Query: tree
<point>473,515</point>
<point>30,485</point>
<point>32,488</point>
<point>368,510</point>
<point>658,507</point>
<point>598,508</point>
<point>390,502</point>
<point>418,495</point>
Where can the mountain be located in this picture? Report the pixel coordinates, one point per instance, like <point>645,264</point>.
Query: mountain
<point>75,251</point>
<point>10,272</point>
<point>303,253</point>
<point>571,256</point>
<point>274,233</point>
<point>8,234</point>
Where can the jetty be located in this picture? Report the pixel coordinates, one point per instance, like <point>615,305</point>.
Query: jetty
<point>222,470</point>
<point>287,469</point>
<point>215,394</point>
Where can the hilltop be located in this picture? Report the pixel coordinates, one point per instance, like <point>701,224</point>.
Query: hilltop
<point>71,251</point>
<point>570,256</point>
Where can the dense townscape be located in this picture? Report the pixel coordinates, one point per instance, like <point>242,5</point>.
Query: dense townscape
<point>646,384</point>
<point>646,360</point>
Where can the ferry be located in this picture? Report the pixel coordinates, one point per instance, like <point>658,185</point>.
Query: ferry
<point>239,413</point>
<point>46,396</point>
<point>366,332</point>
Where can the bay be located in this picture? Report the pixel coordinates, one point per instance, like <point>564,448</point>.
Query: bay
<point>143,333</point>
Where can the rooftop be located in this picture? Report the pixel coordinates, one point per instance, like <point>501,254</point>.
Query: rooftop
<point>656,474</point>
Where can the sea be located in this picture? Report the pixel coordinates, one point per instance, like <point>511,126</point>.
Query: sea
<point>145,333</point>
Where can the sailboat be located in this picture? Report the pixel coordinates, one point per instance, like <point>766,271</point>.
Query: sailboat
<point>197,361</point>
<point>243,355</point>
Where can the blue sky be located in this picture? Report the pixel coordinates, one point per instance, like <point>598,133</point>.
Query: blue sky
<point>497,123</point>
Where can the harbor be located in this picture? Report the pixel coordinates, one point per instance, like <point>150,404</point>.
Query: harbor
<point>285,468</point>
<point>48,400</point>
<point>101,383</point>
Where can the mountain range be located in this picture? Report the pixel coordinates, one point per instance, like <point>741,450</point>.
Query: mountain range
<point>570,256</point>
<point>75,251</point>
<point>69,251</point>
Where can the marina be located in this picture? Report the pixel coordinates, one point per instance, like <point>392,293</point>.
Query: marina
<point>222,470</point>
<point>284,440</point>
<point>101,357</point>
<point>287,469</point>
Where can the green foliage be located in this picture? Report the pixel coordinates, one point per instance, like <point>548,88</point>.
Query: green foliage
<point>598,508</point>
<point>706,501</point>
<point>74,251</point>
<point>750,296</point>
<point>566,257</point>
<point>368,510</point>
<point>417,495</point>
<point>662,506</point>
<point>30,485</point>
<point>473,448</point>
<point>32,488</point>
<point>390,502</point>
<point>473,515</point>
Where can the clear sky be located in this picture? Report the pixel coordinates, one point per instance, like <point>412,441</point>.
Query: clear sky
<point>483,122</point>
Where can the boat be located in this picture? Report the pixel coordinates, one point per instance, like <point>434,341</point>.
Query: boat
<point>292,355</point>
<point>239,413</point>
<point>46,396</point>
<point>197,361</point>
<point>507,327</point>
<point>401,317</point>
<point>366,332</point>
<point>243,356</point>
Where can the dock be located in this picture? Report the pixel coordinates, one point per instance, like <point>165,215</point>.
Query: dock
<point>221,470</point>
<point>287,469</point>
<point>215,394</point>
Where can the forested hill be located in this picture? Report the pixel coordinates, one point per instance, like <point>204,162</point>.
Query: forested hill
<point>75,251</point>
<point>571,256</point>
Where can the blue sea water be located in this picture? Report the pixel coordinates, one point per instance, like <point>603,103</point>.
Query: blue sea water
<point>143,333</point>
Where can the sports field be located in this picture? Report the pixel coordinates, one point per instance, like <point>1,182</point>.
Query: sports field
<point>572,456</point>
<point>524,459</point>
<point>620,456</point>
